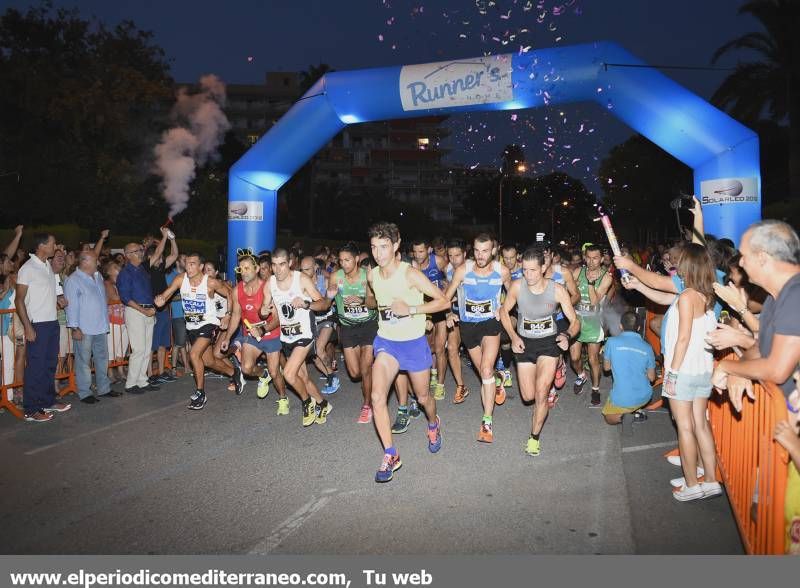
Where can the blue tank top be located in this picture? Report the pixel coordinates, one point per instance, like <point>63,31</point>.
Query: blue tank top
<point>449,271</point>
<point>479,296</point>
<point>516,274</point>
<point>433,273</point>
<point>558,278</point>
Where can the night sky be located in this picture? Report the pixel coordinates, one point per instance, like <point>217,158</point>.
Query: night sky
<point>241,39</point>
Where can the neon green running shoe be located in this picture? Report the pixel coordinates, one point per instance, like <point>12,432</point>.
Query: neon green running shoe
<point>263,387</point>
<point>532,447</point>
<point>283,406</point>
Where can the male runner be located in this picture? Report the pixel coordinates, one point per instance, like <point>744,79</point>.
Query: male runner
<point>202,325</point>
<point>433,266</point>
<point>324,324</point>
<point>593,284</point>
<point>401,343</point>
<point>536,341</point>
<point>257,335</point>
<point>358,320</point>
<point>479,283</point>
<point>456,258</point>
<point>294,297</point>
<point>510,258</point>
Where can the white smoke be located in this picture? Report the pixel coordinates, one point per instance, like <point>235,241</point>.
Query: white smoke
<point>202,127</point>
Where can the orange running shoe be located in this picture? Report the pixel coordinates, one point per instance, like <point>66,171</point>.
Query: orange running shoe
<point>485,434</point>
<point>499,395</point>
<point>461,394</point>
<point>561,373</point>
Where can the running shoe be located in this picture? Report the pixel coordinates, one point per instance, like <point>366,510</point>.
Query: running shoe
<point>552,398</point>
<point>435,436</point>
<point>263,386</point>
<point>580,382</point>
<point>389,465</point>
<point>400,422</point>
<point>485,434</point>
<point>309,412</point>
<point>678,482</point>
<point>639,416</point>
<point>685,494</point>
<point>238,378</point>
<point>507,380</point>
<point>283,406</point>
<point>323,410</point>
<point>499,395</point>
<point>332,386</point>
<point>532,447</point>
<point>595,399</point>
<point>561,373</point>
<point>439,392</point>
<point>57,407</point>
<point>365,416</point>
<point>39,416</point>
<point>197,400</point>
<point>167,378</point>
<point>461,394</point>
<point>711,489</point>
<point>413,408</point>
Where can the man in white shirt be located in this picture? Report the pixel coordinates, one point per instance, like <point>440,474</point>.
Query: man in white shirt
<point>37,302</point>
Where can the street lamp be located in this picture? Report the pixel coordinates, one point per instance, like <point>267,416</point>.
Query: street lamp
<point>565,203</point>
<point>521,168</point>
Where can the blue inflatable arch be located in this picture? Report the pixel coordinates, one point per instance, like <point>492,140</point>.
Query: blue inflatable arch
<point>722,152</point>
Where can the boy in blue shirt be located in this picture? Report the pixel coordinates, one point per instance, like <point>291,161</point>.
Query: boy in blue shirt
<point>633,366</point>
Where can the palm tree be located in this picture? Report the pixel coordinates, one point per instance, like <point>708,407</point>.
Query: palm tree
<point>772,85</point>
<point>309,77</point>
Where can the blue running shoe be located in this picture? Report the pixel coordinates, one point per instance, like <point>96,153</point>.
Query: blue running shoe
<point>435,436</point>
<point>390,464</point>
<point>332,386</point>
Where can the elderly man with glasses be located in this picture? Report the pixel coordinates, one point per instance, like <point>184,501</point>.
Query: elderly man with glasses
<point>136,294</point>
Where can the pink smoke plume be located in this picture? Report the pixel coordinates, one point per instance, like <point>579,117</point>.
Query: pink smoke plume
<point>202,126</point>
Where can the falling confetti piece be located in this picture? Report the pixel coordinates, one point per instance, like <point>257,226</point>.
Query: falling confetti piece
<point>380,38</point>
<point>474,166</point>
<point>250,59</point>
<point>513,117</point>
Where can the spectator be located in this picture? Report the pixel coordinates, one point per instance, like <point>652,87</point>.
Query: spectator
<point>688,364</point>
<point>36,303</point>
<point>7,333</point>
<point>10,251</point>
<point>87,319</point>
<point>770,255</point>
<point>136,294</point>
<point>786,433</point>
<point>117,343</point>
<point>59,264</point>
<point>633,366</point>
<point>265,266</point>
<point>158,266</point>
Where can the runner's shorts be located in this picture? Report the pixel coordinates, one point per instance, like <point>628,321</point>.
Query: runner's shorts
<point>438,317</point>
<point>289,347</point>
<point>207,331</point>
<point>472,333</point>
<point>265,345</point>
<point>413,355</point>
<point>361,334</point>
<point>536,348</point>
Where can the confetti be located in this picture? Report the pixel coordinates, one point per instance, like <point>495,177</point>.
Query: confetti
<point>513,117</point>
<point>380,38</point>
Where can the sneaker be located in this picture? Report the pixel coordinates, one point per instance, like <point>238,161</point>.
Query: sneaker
<point>39,416</point>
<point>58,407</point>
<point>561,373</point>
<point>238,377</point>
<point>532,447</point>
<point>365,416</point>
<point>485,434</point>
<point>595,400</point>
<point>580,382</point>
<point>460,395</point>
<point>263,387</point>
<point>197,400</point>
<point>323,409</point>
<point>168,378</point>
<point>639,416</point>
<point>283,406</point>
<point>400,422</point>
<point>674,460</point>
<point>439,392</point>
<point>333,386</point>
<point>552,398</point>
<point>499,395</point>
<point>413,408</point>
<point>678,482</point>
<point>711,489</point>
<point>685,494</point>
<point>435,436</point>
<point>507,380</point>
<point>389,465</point>
<point>309,412</point>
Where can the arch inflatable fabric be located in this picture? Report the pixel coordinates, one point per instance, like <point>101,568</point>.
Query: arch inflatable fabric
<point>723,153</point>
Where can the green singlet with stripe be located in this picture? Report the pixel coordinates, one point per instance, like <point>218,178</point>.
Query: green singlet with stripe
<point>353,312</point>
<point>590,314</point>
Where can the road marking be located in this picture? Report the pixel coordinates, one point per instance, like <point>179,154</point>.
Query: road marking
<point>106,428</point>
<point>649,446</point>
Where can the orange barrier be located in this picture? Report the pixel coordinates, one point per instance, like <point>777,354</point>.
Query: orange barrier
<point>753,466</point>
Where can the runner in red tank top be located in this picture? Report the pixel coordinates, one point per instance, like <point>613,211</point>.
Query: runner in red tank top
<point>257,335</point>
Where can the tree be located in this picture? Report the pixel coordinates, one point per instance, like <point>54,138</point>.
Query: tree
<point>309,77</point>
<point>771,85</point>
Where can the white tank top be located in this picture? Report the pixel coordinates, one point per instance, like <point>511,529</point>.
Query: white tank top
<point>296,323</point>
<point>198,309</point>
<point>699,358</point>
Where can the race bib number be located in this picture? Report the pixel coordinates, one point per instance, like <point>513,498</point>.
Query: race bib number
<point>356,311</point>
<point>586,308</point>
<point>193,310</point>
<point>386,314</point>
<point>481,309</point>
<point>193,318</point>
<point>291,330</point>
<point>539,328</point>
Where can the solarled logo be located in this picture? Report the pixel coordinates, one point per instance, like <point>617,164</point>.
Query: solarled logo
<point>446,84</point>
<point>729,191</point>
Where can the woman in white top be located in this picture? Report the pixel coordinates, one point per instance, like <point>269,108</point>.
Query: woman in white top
<point>689,363</point>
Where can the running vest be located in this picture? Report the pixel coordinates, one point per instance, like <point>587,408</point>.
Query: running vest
<point>323,289</point>
<point>251,307</point>
<point>558,278</point>
<point>537,312</point>
<point>479,296</point>
<point>220,305</point>
<point>585,306</point>
<point>392,327</point>
<point>353,313</point>
<point>433,273</point>
<point>296,323</point>
<point>516,274</point>
<point>449,271</point>
<point>198,309</point>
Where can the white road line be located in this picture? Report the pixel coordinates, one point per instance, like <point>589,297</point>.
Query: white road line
<point>106,428</point>
<point>294,522</point>
<point>635,448</point>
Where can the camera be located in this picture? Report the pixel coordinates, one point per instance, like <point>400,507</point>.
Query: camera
<point>682,201</point>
